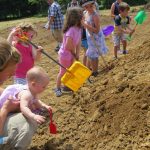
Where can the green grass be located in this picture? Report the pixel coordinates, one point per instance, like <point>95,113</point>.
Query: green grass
<point>7,24</point>
<point>36,19</point>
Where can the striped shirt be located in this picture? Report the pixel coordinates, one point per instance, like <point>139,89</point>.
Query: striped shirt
<point>55,11</point>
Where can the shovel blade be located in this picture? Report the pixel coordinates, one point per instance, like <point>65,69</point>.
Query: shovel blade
<point>79,74</point>
<point>108,30</point>
<point>52,128</point>
<point>140,17</point>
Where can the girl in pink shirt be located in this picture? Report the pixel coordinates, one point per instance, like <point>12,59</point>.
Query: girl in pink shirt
<point>28,53</point>
<point>69,50</point>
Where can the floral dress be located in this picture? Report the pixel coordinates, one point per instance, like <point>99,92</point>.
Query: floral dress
<point>96,41</point>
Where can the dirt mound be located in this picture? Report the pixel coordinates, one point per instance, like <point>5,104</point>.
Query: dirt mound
<point>111,113</point>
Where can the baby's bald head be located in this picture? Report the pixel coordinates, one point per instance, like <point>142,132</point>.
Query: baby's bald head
<point>37,74</point>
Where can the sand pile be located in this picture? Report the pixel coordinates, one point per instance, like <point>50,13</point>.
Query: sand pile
<point>111,113</point>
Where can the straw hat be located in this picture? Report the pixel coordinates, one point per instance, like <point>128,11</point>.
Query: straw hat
<point>86,2</point>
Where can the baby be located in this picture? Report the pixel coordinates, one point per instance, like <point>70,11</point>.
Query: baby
<point>37,81</point>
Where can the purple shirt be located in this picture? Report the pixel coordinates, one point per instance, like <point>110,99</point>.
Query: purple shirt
<point>11,90</point>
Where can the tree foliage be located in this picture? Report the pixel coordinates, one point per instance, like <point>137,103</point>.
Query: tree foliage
<point>107,3</point>
<point>22,8</point>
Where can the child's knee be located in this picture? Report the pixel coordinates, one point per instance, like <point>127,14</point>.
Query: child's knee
<point>124,42</point>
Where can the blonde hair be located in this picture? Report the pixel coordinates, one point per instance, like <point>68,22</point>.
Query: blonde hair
<point>8,55</point>
<point>36,74</point>
<point>27,27</point>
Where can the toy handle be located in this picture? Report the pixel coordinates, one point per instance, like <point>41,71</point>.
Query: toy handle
<point>50,115</point>
<point>46,54</point>
<point>130,35</point>
<point>135,26</point>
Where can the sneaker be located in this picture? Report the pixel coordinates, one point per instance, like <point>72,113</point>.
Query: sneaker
<point>58,92</point>
<point>122,52</point>
<point>94,74</point>
<point>66,89</point>
<point>125,52</point>
<point>3,140</point>
<point>57,48</point>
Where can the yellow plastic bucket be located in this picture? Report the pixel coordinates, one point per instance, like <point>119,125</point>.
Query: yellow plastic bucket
<point>76,76</point>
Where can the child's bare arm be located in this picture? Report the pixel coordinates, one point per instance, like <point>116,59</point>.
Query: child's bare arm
<point>130,29</point>
<point>36,53</point>
<point>12,34</point>
<point>51,20</point>
<point>10,37</point>
<point>78,50</point>
<point>3,116</point>
<point>121,30</point>
<point>70,46</point>
<point>112,10</point>
<point>25,99</point>
<point>41,104</point>
<point>1,90</point>
<point>9,106</point>
<point>96,27</point>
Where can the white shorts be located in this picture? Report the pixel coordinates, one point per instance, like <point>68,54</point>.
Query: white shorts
<point>118,38</point>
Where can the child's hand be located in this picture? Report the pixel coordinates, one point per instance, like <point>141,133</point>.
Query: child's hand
<point>37,53</point>
<point>15,31</point>
<point>14,35</point>
<point>83,23</point>
<point>39,119</point>
<point>132,31</point>
<point>39,49</point>
<point>11,105</point>
<point>48,107</point>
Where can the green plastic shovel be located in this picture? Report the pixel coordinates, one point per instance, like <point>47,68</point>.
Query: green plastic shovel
<point>139,19</point>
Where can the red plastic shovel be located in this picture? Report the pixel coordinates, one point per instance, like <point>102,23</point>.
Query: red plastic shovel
<point>52,126</point>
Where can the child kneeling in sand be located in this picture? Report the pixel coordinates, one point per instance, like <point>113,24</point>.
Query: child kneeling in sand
<point>37,81</point>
